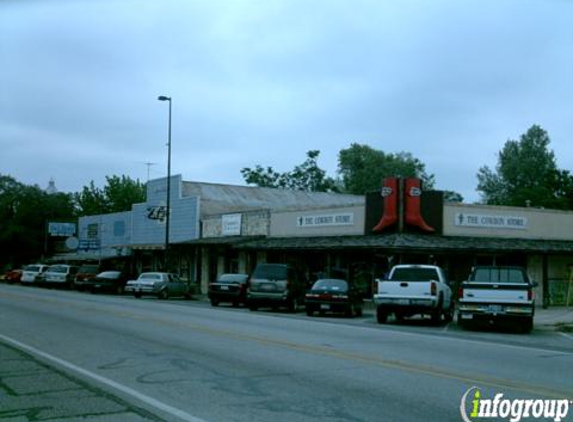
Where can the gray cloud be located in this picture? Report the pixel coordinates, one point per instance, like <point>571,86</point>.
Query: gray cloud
<point>262,82</point>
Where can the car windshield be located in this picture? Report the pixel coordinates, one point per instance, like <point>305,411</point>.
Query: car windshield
<point>34,268</point>
<point>414,274</point>
<point>271,272</point>
<point>330,284</point>
<point>109,274</point>
<point>500,275</point>
<point>150,276</point>
<point>58,269</point>
<point>232,278</point>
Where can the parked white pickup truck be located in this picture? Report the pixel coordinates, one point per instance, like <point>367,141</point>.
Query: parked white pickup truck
<point>412,290</point>
<point>493,294</point>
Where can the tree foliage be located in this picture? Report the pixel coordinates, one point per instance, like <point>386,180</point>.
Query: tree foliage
<point>362,168</point>
<point>24,212</point>
<point>526,174</point>
<point>118,195</point>
<point>307,176</point>
<point>451,196</point>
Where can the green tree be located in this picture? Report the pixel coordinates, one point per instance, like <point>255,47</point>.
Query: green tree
<point>526,173</point>
<point>451,196</point>
<point>307,176</point>
<point>24,212</point>
<point>118,195</point>
<point>362,168</point>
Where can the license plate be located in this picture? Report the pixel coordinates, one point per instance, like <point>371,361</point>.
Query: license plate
<point>495,308</point>
<point>224,287</point>
<point>325,307</point>
<point>268,287</point>
<point>403,301</point>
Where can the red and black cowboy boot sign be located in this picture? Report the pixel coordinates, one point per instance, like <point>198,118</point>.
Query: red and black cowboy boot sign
<point>402,200</point>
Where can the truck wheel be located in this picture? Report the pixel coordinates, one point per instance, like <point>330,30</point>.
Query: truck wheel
<point>527,325</point>
<point>449,315</point>
<point>436,314</point>
<point>436,317</point>
<point>381,315</point>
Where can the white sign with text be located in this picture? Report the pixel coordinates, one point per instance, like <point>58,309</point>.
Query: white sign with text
<point>490,221</point>
<point>346,219</point>
<point>231,225</point>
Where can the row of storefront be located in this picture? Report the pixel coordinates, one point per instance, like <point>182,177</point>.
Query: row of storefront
<point>218,228</point>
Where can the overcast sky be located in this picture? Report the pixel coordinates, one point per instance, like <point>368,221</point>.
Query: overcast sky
<point>264,81</point>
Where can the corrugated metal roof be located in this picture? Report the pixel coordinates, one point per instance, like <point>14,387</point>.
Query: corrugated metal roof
<point>219,198</point>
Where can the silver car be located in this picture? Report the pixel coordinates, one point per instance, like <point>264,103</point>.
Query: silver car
<point>162,285</point>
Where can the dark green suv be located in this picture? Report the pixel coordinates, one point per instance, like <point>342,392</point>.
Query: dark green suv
<point>276,285</point>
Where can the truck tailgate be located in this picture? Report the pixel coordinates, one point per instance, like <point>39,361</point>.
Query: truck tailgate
<point>496,293</point>
<point>404,289</point>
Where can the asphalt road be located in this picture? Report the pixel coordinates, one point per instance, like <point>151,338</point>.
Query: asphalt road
<point>75,356</point>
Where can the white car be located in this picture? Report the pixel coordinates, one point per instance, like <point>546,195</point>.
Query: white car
<point>162,285</point>
<point>61,275</point>
<point>31,272</point>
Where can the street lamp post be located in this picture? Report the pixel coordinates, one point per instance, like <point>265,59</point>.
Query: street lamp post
<point>168,207</point>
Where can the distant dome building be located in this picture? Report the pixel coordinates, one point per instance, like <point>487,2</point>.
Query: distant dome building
<point>51,189</point>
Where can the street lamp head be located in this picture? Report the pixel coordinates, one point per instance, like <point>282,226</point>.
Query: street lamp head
<point>164,98</point>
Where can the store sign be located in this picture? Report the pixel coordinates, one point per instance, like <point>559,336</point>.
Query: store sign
<point>306,221</point>
<point>490,221</point>
<point>231,225</point>
<point>87,245</point>
<point>158,213</point>
<point>62,229</point>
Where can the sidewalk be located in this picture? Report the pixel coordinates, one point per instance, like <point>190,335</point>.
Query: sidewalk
<point>559,318</point>
<point>31,390</point>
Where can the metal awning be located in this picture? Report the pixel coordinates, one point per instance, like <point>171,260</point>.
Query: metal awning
<point>411,242</point>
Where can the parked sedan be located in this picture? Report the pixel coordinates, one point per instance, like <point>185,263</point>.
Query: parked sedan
<point>58,275</point>
<point>229,288</point>
<point>162,285</point>
<point>110,281</point>
<point>333,295</point>
<point>13,276</point>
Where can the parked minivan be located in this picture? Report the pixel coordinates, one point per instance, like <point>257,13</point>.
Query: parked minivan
<point>60,275</point>
<point>31,272</point>
<point>276,285</point>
